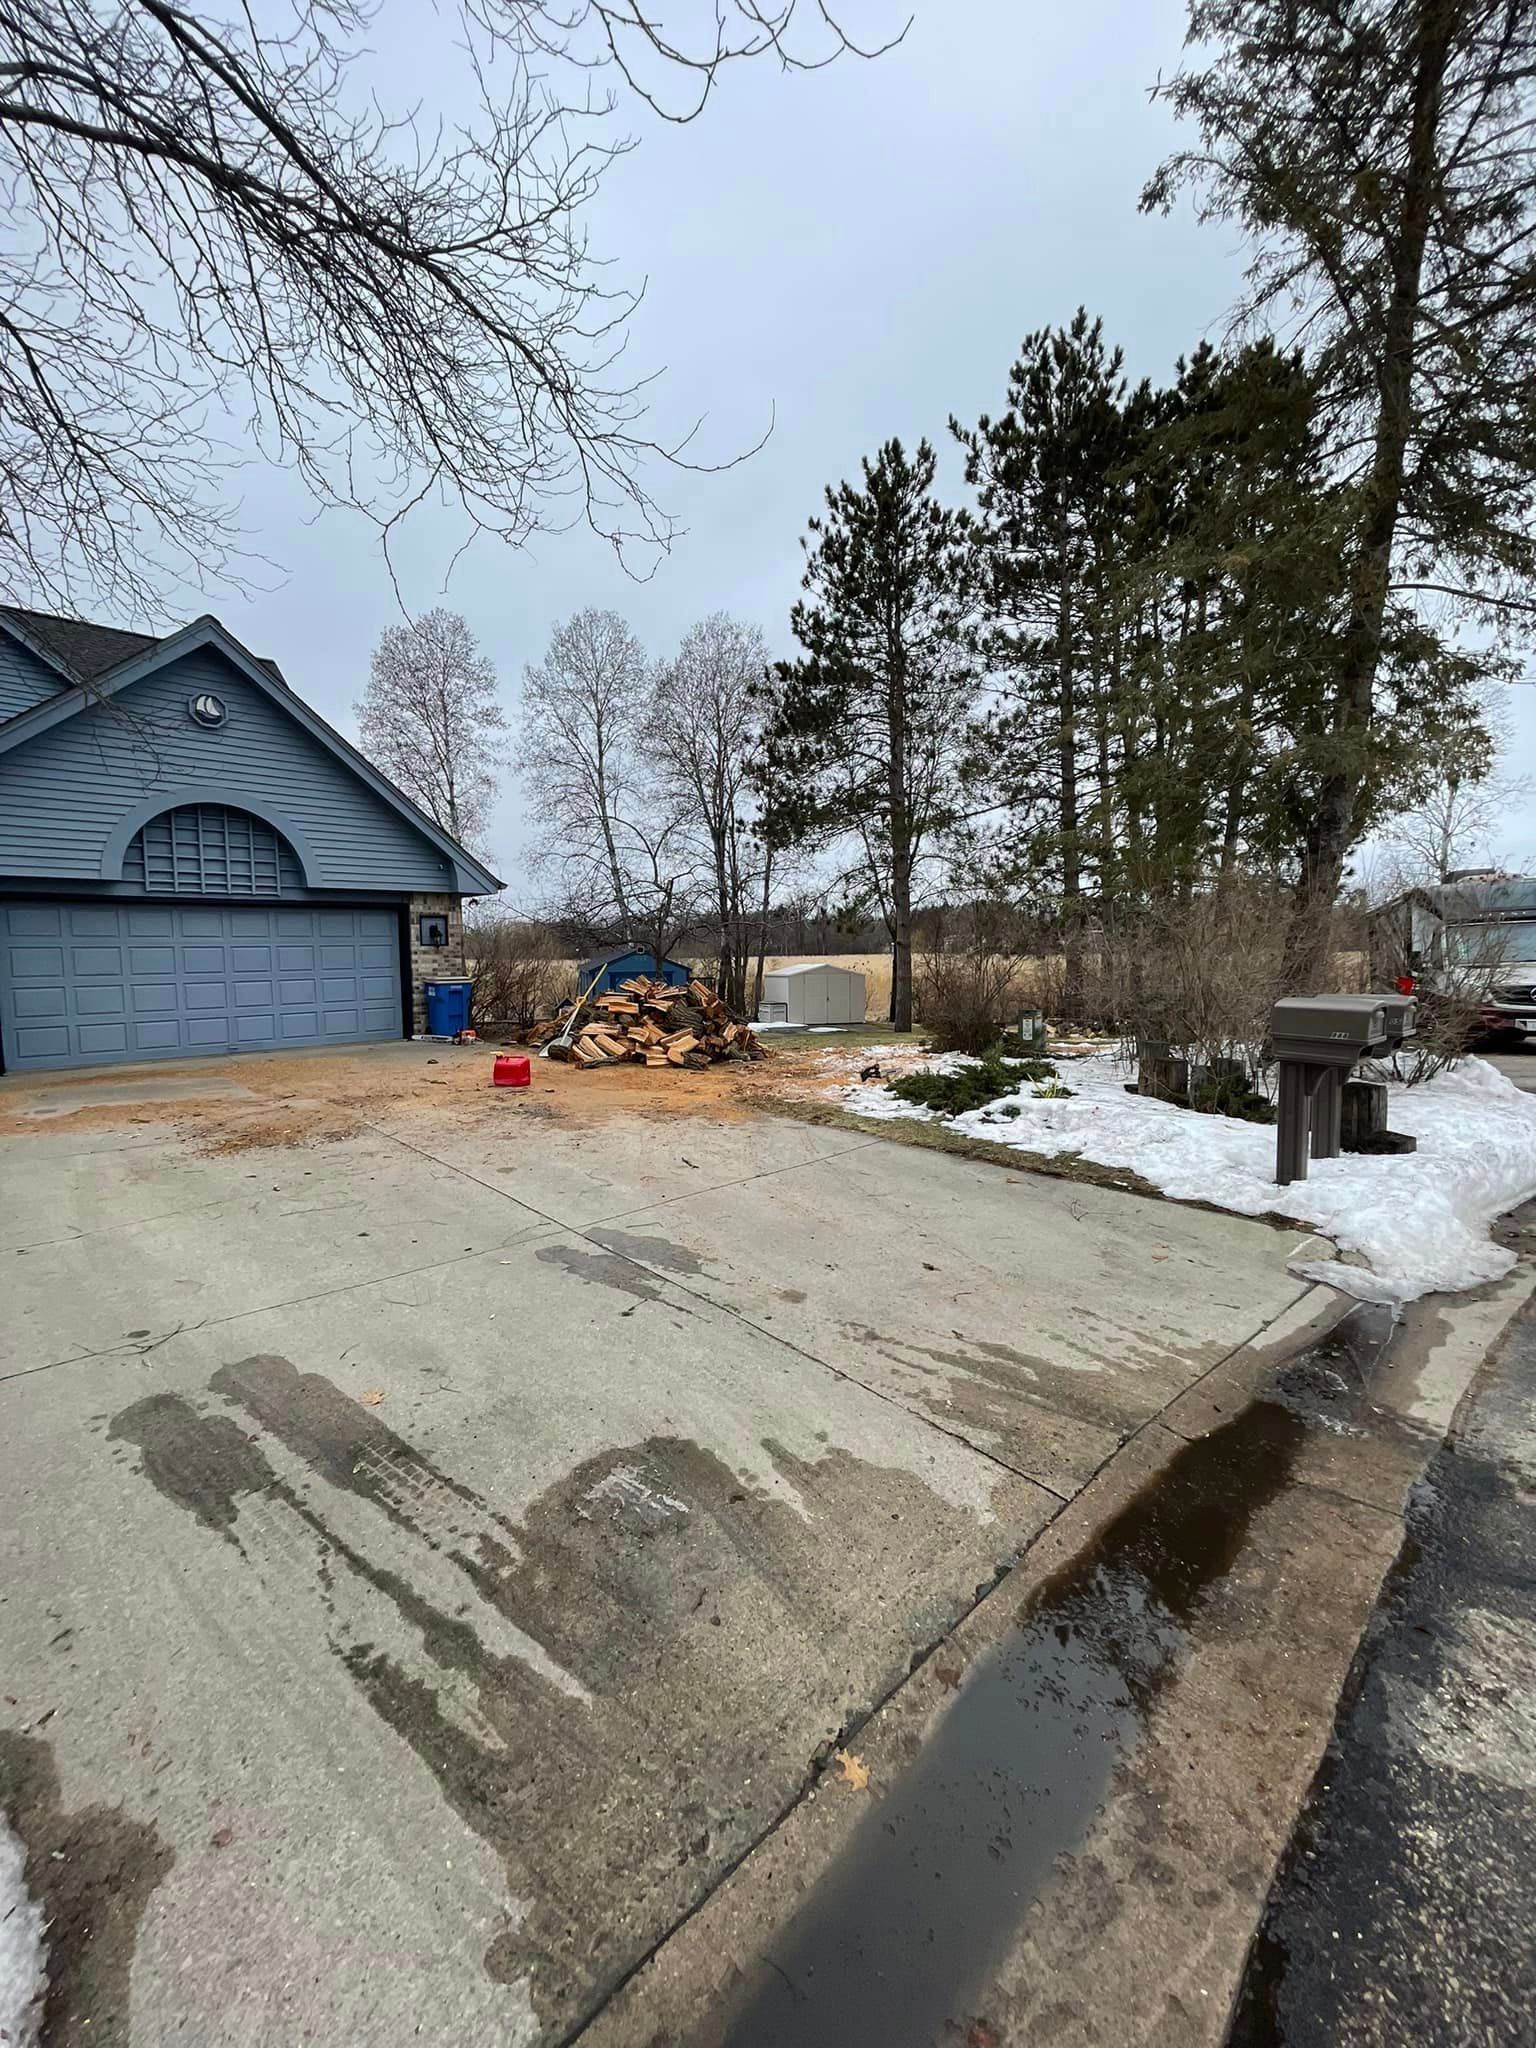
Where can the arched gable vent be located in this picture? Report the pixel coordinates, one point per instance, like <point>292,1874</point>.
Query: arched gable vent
<point>210,850</point>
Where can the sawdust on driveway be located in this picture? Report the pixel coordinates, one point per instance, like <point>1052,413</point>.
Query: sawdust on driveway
<point>257,1101</point>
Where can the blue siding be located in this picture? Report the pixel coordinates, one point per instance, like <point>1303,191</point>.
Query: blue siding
<point>64,793</point>
<point>24,680</point>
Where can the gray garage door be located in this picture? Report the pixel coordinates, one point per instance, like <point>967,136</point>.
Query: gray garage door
<point>90,984</point>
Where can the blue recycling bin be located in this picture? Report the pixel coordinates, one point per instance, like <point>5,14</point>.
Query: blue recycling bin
<point>447,1008</point>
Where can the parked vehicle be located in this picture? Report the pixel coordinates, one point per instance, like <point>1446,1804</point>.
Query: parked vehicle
<point>1472,937</point>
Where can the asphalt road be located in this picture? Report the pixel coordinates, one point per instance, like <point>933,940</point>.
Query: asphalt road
<point>1519,1064</point>
<point>1402,1911</point>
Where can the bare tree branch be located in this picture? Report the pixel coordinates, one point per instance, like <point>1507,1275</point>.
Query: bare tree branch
<point>220,246</point>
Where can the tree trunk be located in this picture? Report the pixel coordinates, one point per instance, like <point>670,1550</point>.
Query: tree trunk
<point>1066,741</point>
<point>901,846</point>
<point>1331,832</point>
<point>762,934</point>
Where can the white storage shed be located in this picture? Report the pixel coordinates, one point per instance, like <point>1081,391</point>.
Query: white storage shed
<point>814,993</point>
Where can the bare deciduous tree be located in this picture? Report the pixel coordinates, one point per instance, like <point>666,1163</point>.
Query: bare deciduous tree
<point>579,759</point>
<point>215,235</point>
<point>431,719</point>
<point>699,737</point>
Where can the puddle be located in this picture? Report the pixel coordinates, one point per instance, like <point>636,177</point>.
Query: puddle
<point>899,1940</point>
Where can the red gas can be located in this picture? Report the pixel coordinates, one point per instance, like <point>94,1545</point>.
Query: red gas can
<point>510,1071</point>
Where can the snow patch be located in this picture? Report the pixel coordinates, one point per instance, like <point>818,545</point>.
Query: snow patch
<point>1420,1222</point>
<point>22,1977</point>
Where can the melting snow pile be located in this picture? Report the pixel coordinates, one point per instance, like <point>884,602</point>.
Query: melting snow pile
<point>1420,1220</point>
<point>22,1981</point>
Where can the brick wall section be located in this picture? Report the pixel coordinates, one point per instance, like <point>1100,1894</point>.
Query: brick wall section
<point>433,963</point>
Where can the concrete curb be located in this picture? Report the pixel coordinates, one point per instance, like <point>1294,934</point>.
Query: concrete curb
<point>1141,1931</point>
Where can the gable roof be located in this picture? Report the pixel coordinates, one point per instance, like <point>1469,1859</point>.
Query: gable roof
<point>140,654</point>
<point>80,650</point>
<point>812,967</point>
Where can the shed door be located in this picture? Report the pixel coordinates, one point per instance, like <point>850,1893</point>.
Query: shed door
<point>95,984</point>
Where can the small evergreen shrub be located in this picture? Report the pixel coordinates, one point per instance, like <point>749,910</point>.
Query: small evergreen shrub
<point>971,1087</point>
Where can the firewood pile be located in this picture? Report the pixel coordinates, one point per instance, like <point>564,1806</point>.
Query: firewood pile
<point>650,1022</point>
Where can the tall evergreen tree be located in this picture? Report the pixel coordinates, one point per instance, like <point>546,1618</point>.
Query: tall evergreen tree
<point>1043,473</point>
<point>863,731</point>
<point>1382,154</point>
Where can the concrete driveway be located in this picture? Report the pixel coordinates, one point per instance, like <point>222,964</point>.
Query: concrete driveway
<point>434,1558</point>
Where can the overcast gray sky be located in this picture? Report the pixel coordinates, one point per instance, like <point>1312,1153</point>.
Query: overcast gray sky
<point>853,253</point>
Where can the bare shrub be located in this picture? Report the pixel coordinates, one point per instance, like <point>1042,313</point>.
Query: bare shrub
<point>1197,977</point>
<point>970,983</point>
<point>518,971</point>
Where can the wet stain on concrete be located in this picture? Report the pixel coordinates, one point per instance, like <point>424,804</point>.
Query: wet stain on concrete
<point>692,1608</point>
<point>202,1463</point>
<point>650,1251</point>
<point>1011,1405</point>
<point>602,1269</point>
<point>900,1938</point>
<point>343,1442</point>
<point>93,1871</point>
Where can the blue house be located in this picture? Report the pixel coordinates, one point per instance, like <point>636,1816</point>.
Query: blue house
<point>622,965</point>
<point>193,861</point>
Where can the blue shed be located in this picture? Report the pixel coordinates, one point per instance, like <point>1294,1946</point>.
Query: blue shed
<point>627,962</point>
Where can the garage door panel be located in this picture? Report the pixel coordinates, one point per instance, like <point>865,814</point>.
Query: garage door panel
<point>125,981</point>
<point>46,1044</point>
<point>29,963</point>
<point>102,1037</point>
<point>33,920</point>
<point>163,1035</point>
<point>96,961</point>
<point>40,1002</point>
<point>109,999</point>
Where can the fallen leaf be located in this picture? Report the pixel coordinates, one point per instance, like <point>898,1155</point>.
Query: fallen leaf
<point>979,2035</point>
<point>221,1838</point>
<point>948,1676</point>
<point>373,1397</point>
<point>851,1770</point>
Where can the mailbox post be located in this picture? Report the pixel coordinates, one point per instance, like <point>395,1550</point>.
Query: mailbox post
<point>1316,1040</point>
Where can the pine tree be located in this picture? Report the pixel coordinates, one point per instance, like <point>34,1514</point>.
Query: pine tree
<point>863,731</point>
<point>1048,506</point>
<point>1382,154</point>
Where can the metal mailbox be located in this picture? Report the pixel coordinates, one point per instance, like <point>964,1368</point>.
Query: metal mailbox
<point>1316,1040</point>
<point>1401,1014</point>
<point>1328,1030</point>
